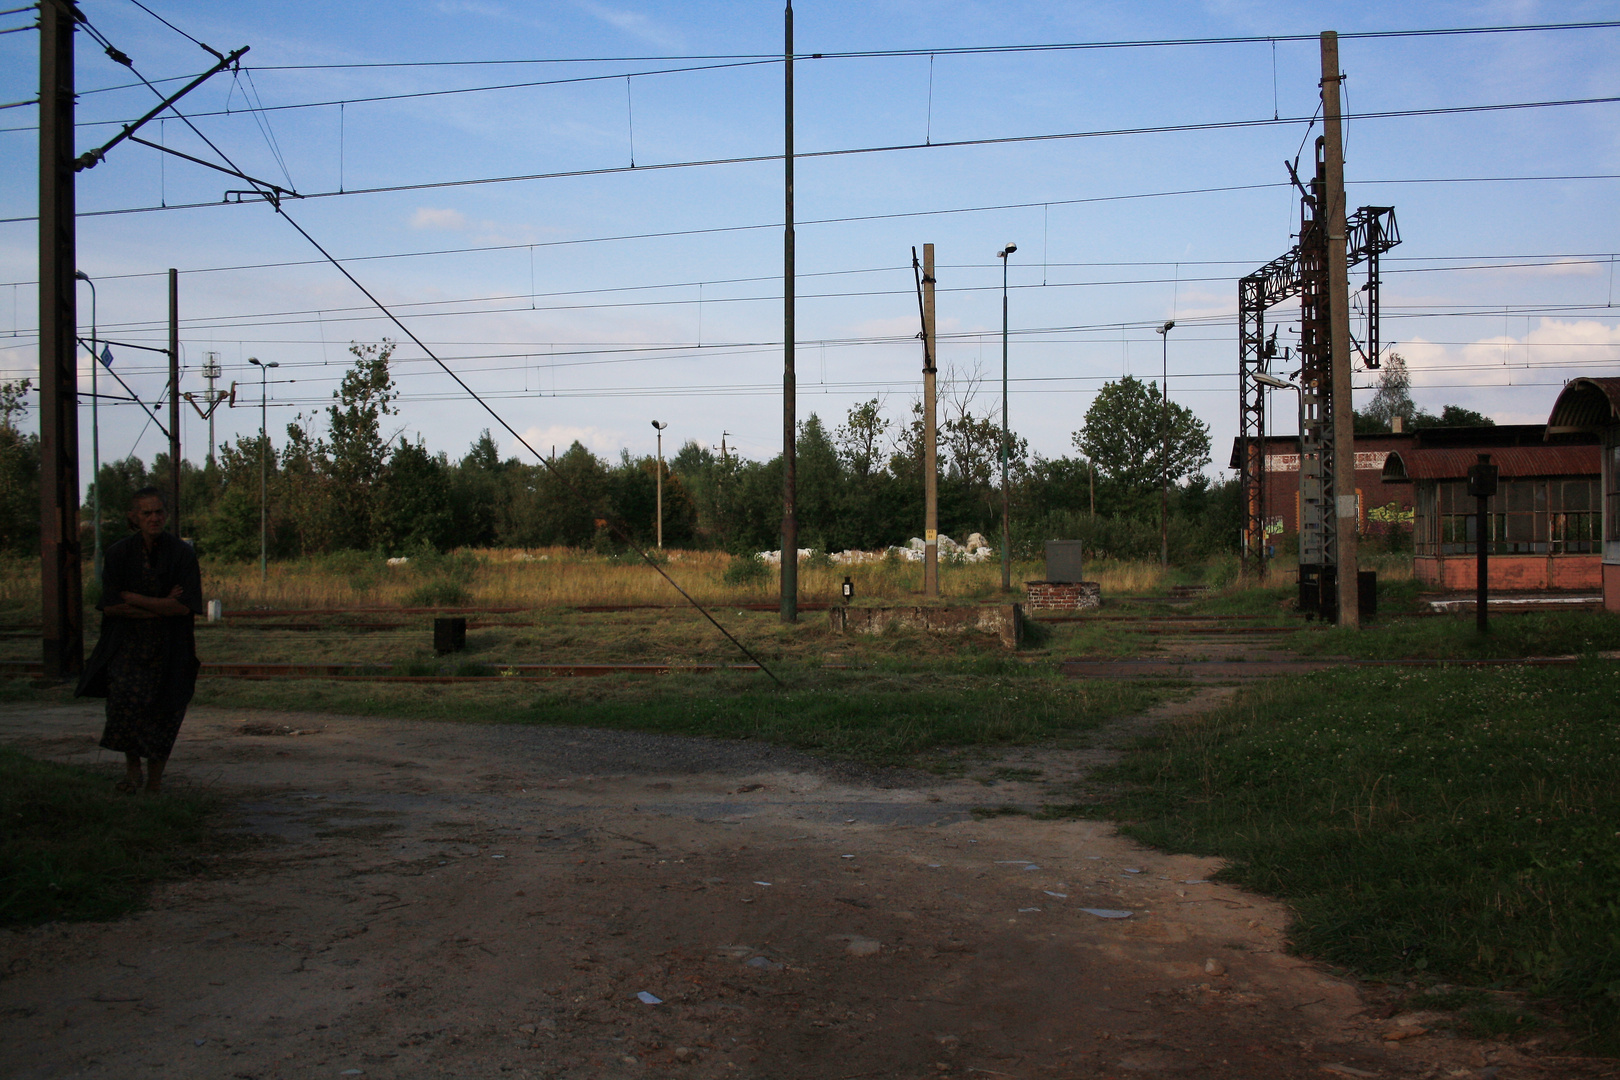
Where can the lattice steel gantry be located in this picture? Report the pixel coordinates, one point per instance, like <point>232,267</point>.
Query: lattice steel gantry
<point>1303,272</point>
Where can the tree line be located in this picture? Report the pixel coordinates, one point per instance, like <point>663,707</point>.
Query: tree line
<point>344,479</point>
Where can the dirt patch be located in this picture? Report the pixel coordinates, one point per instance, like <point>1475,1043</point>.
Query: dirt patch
<point>494,901</point>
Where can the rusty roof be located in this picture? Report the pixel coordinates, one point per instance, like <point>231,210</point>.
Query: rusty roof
<point>1444,463</point>
<point>1585,405</point>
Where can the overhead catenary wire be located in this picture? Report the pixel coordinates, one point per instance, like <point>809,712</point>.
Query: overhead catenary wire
<point>1001,140</point>
<point>618,529</point>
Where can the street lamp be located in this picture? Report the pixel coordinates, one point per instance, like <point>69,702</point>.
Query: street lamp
<point>1006,497</point>
<point>1164,425</point>
<point>95,423</point>
<point>1265,378</point>
<point>264,467</point>
<point>660,428</point>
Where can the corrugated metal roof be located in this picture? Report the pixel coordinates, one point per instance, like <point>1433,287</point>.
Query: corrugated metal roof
<point>1513,462</point>
<point>1585,405</point>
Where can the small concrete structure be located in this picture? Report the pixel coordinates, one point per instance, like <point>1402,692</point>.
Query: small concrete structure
<point>1004,620</point>
<point>1592,406</point>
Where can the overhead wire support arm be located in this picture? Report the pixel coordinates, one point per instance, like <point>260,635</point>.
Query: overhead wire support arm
<point>91,158</point>
<point>274,192</point>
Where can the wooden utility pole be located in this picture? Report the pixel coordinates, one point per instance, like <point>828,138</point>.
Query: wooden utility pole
<point>930,434</point>
<point>1346,518</point>
<point>790,520</point>
<point>61,598</point>
<point>174,393</point>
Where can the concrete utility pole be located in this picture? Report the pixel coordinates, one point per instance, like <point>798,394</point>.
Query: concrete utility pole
<point>790,520</point>
<point>174,392</point>
<point>1344,418</point>
<point>61,597</point>
<point>930,433</point>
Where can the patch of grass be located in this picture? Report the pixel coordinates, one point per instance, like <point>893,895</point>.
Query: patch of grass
<point>1554,633</point>
<point>1458,823</point>
<point>72,848</point>
<point>881,717</point>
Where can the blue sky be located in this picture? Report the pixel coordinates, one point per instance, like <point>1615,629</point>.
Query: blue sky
<point>580,322</point>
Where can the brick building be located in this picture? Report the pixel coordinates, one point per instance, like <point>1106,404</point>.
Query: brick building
<point>1544,523</point>
<point>1592,407</point>
<point>1381,505</point>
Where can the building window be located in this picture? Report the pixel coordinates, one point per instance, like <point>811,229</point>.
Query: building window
<point>1612,501</point>
<point>1526,517</point>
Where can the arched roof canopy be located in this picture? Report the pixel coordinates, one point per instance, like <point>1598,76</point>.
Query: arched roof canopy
<point>1585,405</point>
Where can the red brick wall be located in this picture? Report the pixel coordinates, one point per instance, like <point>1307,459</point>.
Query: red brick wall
<point>1516,573</point>
<point>1611,586</point>
<point>1062,596</point>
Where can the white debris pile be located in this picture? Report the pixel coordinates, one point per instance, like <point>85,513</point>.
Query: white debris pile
<point>977,549</point>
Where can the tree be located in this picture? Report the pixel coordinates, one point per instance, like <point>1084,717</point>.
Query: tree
<point>1124,435</point>
<point>411,501</point>
<point>1393,398</point>
<point>1452,416</point>
<point>19,473</point>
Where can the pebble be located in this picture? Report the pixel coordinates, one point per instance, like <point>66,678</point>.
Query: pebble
<point>862,946</point>
<point>1213,966</point>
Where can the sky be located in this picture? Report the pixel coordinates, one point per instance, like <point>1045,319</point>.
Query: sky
<point>591,298</point>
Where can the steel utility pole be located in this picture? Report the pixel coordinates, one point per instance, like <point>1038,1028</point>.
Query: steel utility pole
<point>264,468</point>
<point>1006,494</point>
<point>174,392</point>
<point>1164,427</point>
<point>1344,417</point>
<point>930,432</point>
<point>660,429</point>
<point>61,597</point>
<point>790,521</point>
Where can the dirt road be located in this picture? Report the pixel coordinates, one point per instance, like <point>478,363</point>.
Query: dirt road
<point>481,901</point>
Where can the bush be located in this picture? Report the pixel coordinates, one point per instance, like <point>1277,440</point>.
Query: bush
<point>439,592</point>
<point>747,570</point>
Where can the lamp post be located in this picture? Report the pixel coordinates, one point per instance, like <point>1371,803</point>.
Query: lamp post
<point>1265,378</point>
<point>1164,426</point>
<point>264,467</point>
<point>95,425</point>
<point>660,428</point>
<point>1006,497</point>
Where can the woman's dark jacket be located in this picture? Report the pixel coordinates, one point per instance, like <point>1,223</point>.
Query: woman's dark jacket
<point>173,563</point>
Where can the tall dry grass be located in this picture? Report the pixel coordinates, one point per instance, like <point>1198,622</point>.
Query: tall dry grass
<point>566,577</point>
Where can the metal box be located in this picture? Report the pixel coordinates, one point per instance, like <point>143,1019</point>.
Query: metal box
<point>1063,561</point>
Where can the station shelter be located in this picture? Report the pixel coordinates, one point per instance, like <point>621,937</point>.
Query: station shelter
<point>1591,407</point>
<point>1544,525</point>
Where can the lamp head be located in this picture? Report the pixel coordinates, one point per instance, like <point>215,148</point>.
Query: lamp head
<point>1265,378</point>
<point>80,275</point>
<point>1006,251</point>
<point>272,364</point>
<point>659,426</point>
<point>254,360</point>
<point>1167,327</point>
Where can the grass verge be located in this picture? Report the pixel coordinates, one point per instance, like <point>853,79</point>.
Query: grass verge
<point>74,849</point>
<point>1448,824</point>
<point>879,716</point>
<point>1553,633</point>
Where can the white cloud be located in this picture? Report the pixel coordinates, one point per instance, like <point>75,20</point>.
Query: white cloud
<point>630,22</point>
<point>597,440</point>
<point>428,217</point>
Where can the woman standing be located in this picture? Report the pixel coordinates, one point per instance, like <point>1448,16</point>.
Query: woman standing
<point>145,663</point>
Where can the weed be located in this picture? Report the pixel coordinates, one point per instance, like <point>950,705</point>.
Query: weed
<point>74,849</point>
<point>1455,822</point>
